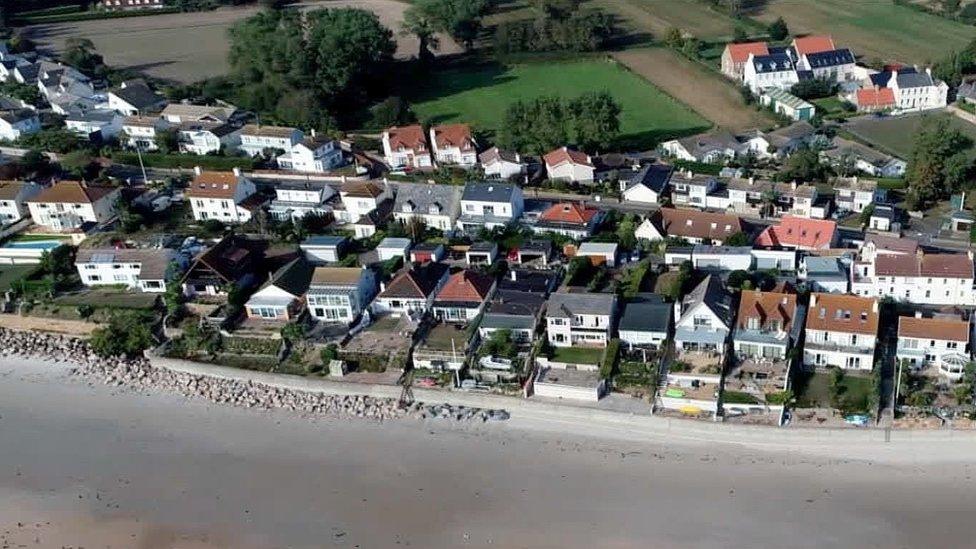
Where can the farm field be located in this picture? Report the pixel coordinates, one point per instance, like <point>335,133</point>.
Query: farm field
<point>706,92</point>
<point>480,95</point>
<point>874,28</point>
<point>657,16</point>
<point>896,135</point>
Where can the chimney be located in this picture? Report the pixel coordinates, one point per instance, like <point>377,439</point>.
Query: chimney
<point>237,171</point>
<point>313,132</point>
<point>382,287</point>
<point>197,170</point>
<point>918,314</point>
<point>689,174</point>
<point>512,275</point>
<point>752,180</point>
<point>793,185</point>
<point>928,71</point>
<point>518,158</point>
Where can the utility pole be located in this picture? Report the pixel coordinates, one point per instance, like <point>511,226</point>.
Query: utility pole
<point>145,180</point>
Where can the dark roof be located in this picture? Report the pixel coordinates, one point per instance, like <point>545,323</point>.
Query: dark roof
<point>516,303</point>
<point>139,95</point>
<point>18,115</point>
<point>646,313</point>
<point>713,294</point>
<point>483,246</point>
<point>418,282</point>
<point>293,277</point>
<point>488,192</point>
<point>228,259</point>
<point>775,62</point>
<point>324,240</point>
<point>653,176</point>
<point>525,280</point>
<point>833,58</point>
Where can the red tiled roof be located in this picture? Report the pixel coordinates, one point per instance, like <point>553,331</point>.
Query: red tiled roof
<point>740,52</point>
<point>565,155</point>
<point>453,135</point>
<point>466,286</point>
<point>407,137</point>
<point>213,185</point>
<point>877,98</point>
<point>799,232</point>
<point>843,313</point>
<point>813,44</point>
<point>933,328</point>
<point>568,212</point>
<point>73,192</point>
<point>767,306</point>
<point>933,265</point>
<point>362,189</point>
<point>696,224</point>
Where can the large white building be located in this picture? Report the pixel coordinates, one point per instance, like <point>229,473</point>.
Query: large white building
<point>922,278</point>
<point>841,331</point>
<point>68,205</point>
<point>775,70</point>
<point>437,206</point>
<point>145,269</point>
<point>584,320</point>
<point>406,147</point>
<point>13,199</point>
<point>315,154</point>
<point>453,145</point>
<point>913,90</point>
<point>940,342</point>
<point>256,139</point>
<point>224,196</point>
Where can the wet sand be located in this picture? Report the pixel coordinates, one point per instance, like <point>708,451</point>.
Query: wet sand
<point>96,466</point>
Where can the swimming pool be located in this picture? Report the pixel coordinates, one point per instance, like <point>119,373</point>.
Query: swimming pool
<point>34,245</point>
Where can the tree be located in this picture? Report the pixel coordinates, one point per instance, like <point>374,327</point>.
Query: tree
<point>814,88</point>
<point>417,23</point>
<point>738,239</point>
<point>81,54</point>
<point>556,9</point>
<point>778,30</point>
<point>168,140</point>
<point>173,298</point>
<point>126,334</point>
<point>625,231</point>
<point>59,140</point>
<point>76,163</point>
<point>804,165</point>
<point>865,216</point>
<point>595,119</point>
<point>34,162</point>
<point>737,279</point>
<point>392,111</point>
<point>500,344</point>
<point>461,19</point>
<point>673,38</point>
<point>691,47</point>
<point>940,162</point>
<point>591,120</point>
<point>739,35</point>
<point>292,332</point>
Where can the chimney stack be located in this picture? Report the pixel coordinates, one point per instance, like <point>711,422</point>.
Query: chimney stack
<point>237,171</point>
<point>197,170</point>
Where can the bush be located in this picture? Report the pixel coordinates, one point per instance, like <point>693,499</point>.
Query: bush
<point>609,365</point>
<point>582,31</point>
<point>184,161</point>
<point>89,16</point>
<point>127,334</point>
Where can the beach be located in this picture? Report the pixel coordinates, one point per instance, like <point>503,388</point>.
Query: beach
<point>85,464</point>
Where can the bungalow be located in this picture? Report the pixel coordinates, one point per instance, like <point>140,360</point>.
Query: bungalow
<point>481,253</point>
<point>282,297</point>
<point>391,247</point>
<point>231,261</point>
<point>735,56</point>
<point>694,226</point>
<point>764,325</point>
<point>941,342</point>
<point>179,113</point>
<point>538,251</point>
<point>825,274</point>
<point>412,291</point>
<point>324,248</point>
<point>648,184</point>
<point>315,154</point>
<point>535,281</point>
<point>453,144</point>
<point>425,252</point>
<point>576,221</point>
<point>841,331</point>
<point>600,253</point>
<point>516,311</point>
<point>463,297</point>
<point>787,104</point>
<point>800,233</point>
<point>340,294</point>
<point>437,206</point>
<point>15,124</point>
<point>788,139</point>
<point>566,164</point>
<point>489,205</point>
<point>774,70</point>
<point>140,132</point>
<point>406,147</point>
<point>646,321</point>
<point>500,164</point>
<point>204,137</point>
<point>846,154</point>
<point>94,125</point>
<point>228,197</point>
<point>923,278</point>
<point>68,205</point>
<point>721,258</point>
<point>256,139</point>
<point>704,318</point>
<point>580,319</point>
<point>14,196</point>
<point>296,200</point>
<point>135,97</point>
<point>145,269</point>
<point>710,148</point>
<point>854,194</point>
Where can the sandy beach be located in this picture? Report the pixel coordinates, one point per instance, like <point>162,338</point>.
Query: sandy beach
<point>97,466</point>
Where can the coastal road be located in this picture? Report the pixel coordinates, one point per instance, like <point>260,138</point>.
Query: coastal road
<point>95,466</point>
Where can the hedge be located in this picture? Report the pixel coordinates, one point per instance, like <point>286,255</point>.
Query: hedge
<point>185,161</point>
<point>699,167</point>
<point>89,16</point>
<point>610,359</point>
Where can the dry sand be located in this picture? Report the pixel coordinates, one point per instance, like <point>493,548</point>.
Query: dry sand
<point>94,466</point>
<point>187,47</point>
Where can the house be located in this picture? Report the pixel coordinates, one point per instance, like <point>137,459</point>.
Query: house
<point>481,253</point>
<point>853,194</point>
<point>359,198</point>
<point>711,148</point>
<point>576,221</point>
<point>698,190</point>
<point>256,139</point>
<point>913,90</point>
<point>694,226</point>
<point>825,274</point>
<point>453,145</point>
<point>806,45</point>
<point>516,311</point>
<point>296,200</point>
<point>314,154</point>
<point>324,248</point>
<point>942,342</point>
<point>140,132</point>
<point>884,217</point>
<point>841,331</point>
<point>367,225</point>
<point>764,198</point>
<point>960,221</point>
<point>425,252</point>
<point>14,196</point>
<point>436,206</point>
<point>135,97</point>
<point>412,291</point>
<point>228,197</point>
<point>836,65</point>
<point>340,294</point>
<point>600,253</point>
<point>406,147</point>
<point>535,281</point>
<point>764,325</point>
<point>231,261</point>
<point>645,322</point>
<point>773,258</point>
<point>566,164</point>
<point>847,154</point>
<point>922,279</point>
<point>874,99</point>
<point>880,244</point>
<point>489,205</point>
<point>787,104</point>
<point>704,318</point>
<point>145,269</point>
<point>69,205</point>
<point>800,233</point>
<point>95,124</point>
<point>788,139</point>
<point>721,258</point>
<point>205,137</point>
<point>463,297</point>
<point>584,320</point>
<point>774,70</point>
<point>560,383</point>
<point>181,113</point>
<point>648,184</point>
<point>282,297</point>
<point>735,56</point>
<point>129,5</point>
<point>17,123</point>
<point>500,164</point>
<point>537,251</point>
<point>391,247</point>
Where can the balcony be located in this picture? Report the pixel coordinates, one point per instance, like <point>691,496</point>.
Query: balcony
<point>837,347</point>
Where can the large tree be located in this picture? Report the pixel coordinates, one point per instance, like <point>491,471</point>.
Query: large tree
<point>460,19</point>
<point>591,121</point>
<point>595,120</point>
<point>941,162</point>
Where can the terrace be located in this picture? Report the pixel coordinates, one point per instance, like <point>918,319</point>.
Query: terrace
<point>698,362</point>
<point>387,335</point>
<point>757,377</point>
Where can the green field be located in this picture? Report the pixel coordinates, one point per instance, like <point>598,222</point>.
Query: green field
<point>813,391</point>
<point>896,135</point>
<point>9,274</point>
<point>577,355</point>
<point>657,16</point>
<point>480,96</point>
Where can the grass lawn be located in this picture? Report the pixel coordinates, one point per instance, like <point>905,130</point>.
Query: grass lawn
<point>828,105</point>
<point>657,16</point>
<point>480,95</point>
<point>879,29</point>
<point>896,135</point>
<point>114,298</point>
<point>36,238</point>
<point>10,274</point>
<point>577,355</point>
<point>813,390</point>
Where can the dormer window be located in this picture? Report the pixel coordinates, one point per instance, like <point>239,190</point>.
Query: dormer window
<point>408,206</point>
<point>434,208</point>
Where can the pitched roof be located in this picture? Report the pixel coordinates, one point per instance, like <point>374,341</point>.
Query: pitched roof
<point>196,112</point>
<point>696,224</point>
<point>877,98</point>
<point>257,130</point>
<point>933,328</point>
<point>567,305</point>
<point>813,44</point>
<point>799,232</point>
<point>453,135</point>
<point>885,243</point>
<point>495,154</point>
<point>10,190</point>
<point>213,185</point>
<point>140,121</point>
<point>767,306</point>
<point>569,212</point>
<point>740,52</point>
<point>646,313</point>
<point>293,277</point>
<point>653,176</point>
<point>226,258</point>
<point>713,294</point>
<point>774,62</point>
<point>153,263</point>
<point>362,189</point>
<point>488,192</point>
<point>784,97</point>
<point>698,145</point>
<point>12,117</point>
<point>421,197</point>
<point>931,265</point>
<point>515,303</point>
<point>831,58</point>
<point>565,155</point>
<point>138,94</point>
<point>843,313</point>
<point>418,282</point>
<point>73,192</point>
<point>466,286</point>
<point>407,137</point>
<point>336,276</point>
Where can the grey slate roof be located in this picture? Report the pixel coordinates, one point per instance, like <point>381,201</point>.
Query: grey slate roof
<point>97,115</point>
<point>652,176</point>
<point>825,268</point>
<point>712,293</point>
<point>324,240</point>
<point>775,62</point>
<point>565,305</point>
<point>488,192</point>
<point>646,313</point>
<point>139,95</point>
<point>422,196</point>
<point>293,277</point>
<point>516,303</point>
<point>833,58</point>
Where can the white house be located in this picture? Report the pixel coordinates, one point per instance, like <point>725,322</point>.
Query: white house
<point>645,322</point>
<point>406,147</point>
<point>764,325</point>
<point>570,219</point>
<point>67,205</point>
<point>500,164</point>
<point>704,318</point>
<point>145,269</point>
<point>489,205</point>
<point>13,199</point>
<point>569,165</point>
<point>224,196</point>
<point>412,291</point>
<point>584,320</point>
<point>841,331</point>
<point>698,190</point>
<point>18,123</point>
<point>845,154</point>
<point>913,90</point>
<point>775,70</point>
<point>204,137</point>
<point>282,297</point>
<point>391,247</point>
<point>315,154</point>
<point>833,65</point>
<point>942,342</point>
<point>648,185</point>
<point>712,148</point>
<point>923,278</point>
<point>463,296</point>
<point>135,97</point>
<point>437,206</point>
<point>453,145</point>
<point>360,198</point>
<point>180,113</point>
<point>721,258</point>
<point>256,139</point>
<point>854,194</point>
<point>97,123</point>
<point>295,200</point>
<point>692,225</point>
<point>827,274</point>
<point>139,132</point>
<point>340,294</point>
